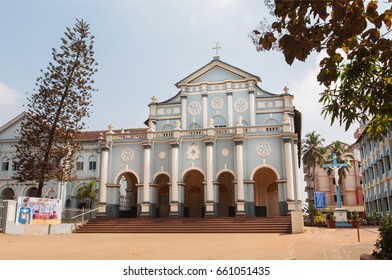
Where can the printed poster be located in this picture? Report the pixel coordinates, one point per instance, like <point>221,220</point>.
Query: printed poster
<point>36,210</point>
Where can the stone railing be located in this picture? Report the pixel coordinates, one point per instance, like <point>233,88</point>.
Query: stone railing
<point>245,130</point>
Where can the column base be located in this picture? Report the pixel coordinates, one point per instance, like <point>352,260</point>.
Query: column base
<point>174,210</point>
<point>101,210</point>
<point>209,209</point>
<point>145,210</point>
<point>240,208</point>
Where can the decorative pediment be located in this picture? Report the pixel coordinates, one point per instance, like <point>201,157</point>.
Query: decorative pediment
<point>217,70</point>
<point>9,130</point>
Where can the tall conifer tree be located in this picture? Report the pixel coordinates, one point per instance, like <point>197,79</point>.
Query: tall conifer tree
<point>61,100</point>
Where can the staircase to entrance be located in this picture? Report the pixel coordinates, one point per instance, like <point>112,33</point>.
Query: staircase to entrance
<point>281,224</point>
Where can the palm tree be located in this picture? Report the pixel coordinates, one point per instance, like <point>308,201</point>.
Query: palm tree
<point>313,150</point>
<point>312,155</point>
<point>88,192</point>
<point>343,155</point>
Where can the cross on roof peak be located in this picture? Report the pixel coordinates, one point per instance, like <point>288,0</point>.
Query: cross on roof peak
<point>216,48</point>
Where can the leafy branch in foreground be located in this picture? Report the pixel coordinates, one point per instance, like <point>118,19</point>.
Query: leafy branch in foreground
<point>356,70</point>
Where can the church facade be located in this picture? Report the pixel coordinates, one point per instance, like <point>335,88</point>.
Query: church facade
<point>221,146</point>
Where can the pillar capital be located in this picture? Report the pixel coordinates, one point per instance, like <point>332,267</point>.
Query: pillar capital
<point>146,144</point>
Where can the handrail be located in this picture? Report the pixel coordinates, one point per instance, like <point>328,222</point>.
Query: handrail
<point>84,213</point>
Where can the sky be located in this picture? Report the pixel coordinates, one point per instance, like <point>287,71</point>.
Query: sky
<point>144,47</point>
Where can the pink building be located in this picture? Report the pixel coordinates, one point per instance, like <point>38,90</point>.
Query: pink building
<point>318,180</point>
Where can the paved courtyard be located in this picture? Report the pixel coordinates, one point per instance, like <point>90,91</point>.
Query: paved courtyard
<point>314,244</point>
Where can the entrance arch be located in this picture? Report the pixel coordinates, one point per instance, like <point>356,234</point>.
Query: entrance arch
<point>8,194</point>
<point>128,195</point>
<point>162,182</point>
<point>226,195</point>
<point>266,192</point>
<point>194,194</point>
<point>32,192</point>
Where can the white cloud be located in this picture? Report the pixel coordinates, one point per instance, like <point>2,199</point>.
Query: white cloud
<point>307,94</point>
<point>9,97</point>
<point>11,102</point>
<point>215,11</point>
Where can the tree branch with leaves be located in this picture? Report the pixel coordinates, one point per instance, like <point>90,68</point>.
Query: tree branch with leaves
<point>356,71</point>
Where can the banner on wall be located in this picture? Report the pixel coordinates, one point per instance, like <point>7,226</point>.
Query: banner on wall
<point>36,210</point>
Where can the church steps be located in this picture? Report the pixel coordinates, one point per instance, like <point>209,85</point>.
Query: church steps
<point>188,225</point>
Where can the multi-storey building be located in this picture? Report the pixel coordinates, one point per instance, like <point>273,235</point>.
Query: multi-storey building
<point>376,164</point>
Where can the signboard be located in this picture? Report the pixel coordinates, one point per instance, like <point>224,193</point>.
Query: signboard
<point>35,210</point>
<point>320,200</point>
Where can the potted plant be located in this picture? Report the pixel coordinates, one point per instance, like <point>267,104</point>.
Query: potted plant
<point>319,219</point>
<point>331,218</point>
<point>354,219</point>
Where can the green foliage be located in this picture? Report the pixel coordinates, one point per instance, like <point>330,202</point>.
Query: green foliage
<point>60,101</point>
<point>313,150</point>
<point>356,70</point>
<point>383,246</point>
<point>89,191</point>
<point>320,218</point>
<point>329,214</point>
<point>353,216</point>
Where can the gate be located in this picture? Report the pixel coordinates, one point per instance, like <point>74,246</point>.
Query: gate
<point>126,210</point>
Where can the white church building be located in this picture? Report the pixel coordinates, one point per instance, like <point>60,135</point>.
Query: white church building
<point>221,146</point>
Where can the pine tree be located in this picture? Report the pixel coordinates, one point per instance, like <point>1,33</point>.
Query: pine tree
<point>62,98</point>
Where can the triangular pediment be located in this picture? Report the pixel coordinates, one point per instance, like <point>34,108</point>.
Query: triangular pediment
<point>215,71</point>
<point>9,130</point>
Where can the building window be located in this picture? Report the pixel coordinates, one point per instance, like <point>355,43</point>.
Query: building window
<point>15,166</point>
<point>92,165</point>
<point>79,165</point>
<point>388,162</point>
<point>336,198</point>
<point>382,166</point>
<point>5,165</point>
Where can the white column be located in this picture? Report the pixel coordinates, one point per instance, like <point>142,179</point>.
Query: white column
<point>296,175</point>
<point>174,199</point>
<point>289,170</point>
<point>209,175</point>
<point>146,180</point>
<point>103,175</point>
<point>252,110</point>
<point>205,111</point>
<point>183,110</point>
<point>240,171</point>
<point>146,177</point>
<point>240,178</point>
<point>230,109</point>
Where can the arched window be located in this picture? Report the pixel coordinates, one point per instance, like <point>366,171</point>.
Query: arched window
<point>5,164</point>
<point>194,126</point>
<point>79,164</point>
<point>219,121</point>
<point>168,127</point>
<point>92,163</point>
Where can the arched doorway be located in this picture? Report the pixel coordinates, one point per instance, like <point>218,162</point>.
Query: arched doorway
<point>32,192</point>
<point>163,206</point>
<point>226,195</point>
<point>8,194</point>
<point>128,195</point>
<point>266,192</point>
<point>194,194</point>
